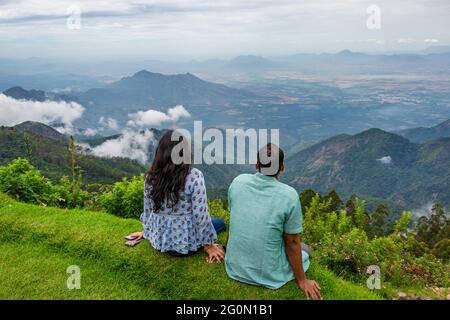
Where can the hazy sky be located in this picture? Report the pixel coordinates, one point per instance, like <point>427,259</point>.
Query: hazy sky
<point>188,29</point>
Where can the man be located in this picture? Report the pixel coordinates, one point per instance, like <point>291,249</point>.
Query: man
<point>264,246</point>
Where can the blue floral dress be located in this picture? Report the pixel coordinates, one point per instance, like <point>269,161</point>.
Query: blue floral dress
<point>185,228</point>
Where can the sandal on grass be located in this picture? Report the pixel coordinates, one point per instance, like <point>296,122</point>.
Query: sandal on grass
<point>132,236</point>
<point>132,243</point>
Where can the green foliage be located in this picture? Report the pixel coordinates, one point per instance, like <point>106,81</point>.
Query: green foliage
<point>318,220</point>
<point>69,194</point>
<point>126,198</point>
<point>36,242</point>
<point>217,209</point>
<point>27,146</point>
<point>377,224</point>
<point>336,202</point>
<point>416,248</point>
<point>341,241</point>
<point>346,253</point>
<point>402,224</point>
<point>53,158</point>
<point>306,198</point>
<point>345,239</point>
<point>442,250</point>
<point>22,181</point>
<point>360,215</point>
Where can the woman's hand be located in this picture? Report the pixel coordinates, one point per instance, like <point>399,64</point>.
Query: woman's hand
<point>215,253</point>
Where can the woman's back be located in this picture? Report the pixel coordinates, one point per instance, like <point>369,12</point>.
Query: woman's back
<point>183,227</point>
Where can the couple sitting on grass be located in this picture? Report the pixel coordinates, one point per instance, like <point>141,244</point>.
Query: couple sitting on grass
<point>263,245</point>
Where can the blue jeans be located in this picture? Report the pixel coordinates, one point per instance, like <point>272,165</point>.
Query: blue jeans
<point>219,226</point>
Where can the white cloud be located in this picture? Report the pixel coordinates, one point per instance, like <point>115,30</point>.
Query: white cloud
<point>110,123</point>
<point>154,117</point>
<point>131,144</point>
<point>431,40</point>
<point>160,27</point>
<point>406,40</point>
<point>16,111</point>
<point>374,41</point>
<point>385,160</point>
<point>64,130</point>
<point>90,132</point>
<point>424,210</point>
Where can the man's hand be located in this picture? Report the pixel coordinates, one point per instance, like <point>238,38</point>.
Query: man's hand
<point>311,289</point>
<point>215,253</point>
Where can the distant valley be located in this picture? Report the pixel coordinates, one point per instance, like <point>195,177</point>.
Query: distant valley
<point>374,164</point>
<point>375,125</point>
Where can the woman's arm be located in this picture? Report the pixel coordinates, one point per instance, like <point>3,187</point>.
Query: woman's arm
<point>205,229</point>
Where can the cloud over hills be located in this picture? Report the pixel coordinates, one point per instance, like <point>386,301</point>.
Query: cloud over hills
<point>16,111</point>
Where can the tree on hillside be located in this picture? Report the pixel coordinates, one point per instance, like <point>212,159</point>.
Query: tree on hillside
<point>350,205</point>
<point>377,222</point>
<point>306,198</point>
<point>438,224</point>
<point>28,147</point>
<point>336,202</point>
<point>434,229</point>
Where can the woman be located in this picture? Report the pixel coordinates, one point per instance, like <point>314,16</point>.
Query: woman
<point>175,217</point>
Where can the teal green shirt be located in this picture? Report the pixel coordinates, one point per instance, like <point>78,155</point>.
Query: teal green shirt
<point>261,210</point>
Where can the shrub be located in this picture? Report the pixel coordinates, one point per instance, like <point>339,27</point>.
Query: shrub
<point>429,270</point>
<point>347,254</point>
<point>416,248</point>
<point>4,200</point>
<point>217,210</point>
<point>402,224</point>
<point>69,194</point>
<point>126,198</point>
<point>24,182</point>
<point>442,250</point>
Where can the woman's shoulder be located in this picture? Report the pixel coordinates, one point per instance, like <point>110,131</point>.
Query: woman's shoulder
<point>194,179</point>
<point>196,173</point>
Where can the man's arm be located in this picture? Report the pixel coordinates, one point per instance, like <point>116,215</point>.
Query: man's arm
<point>228,236</point>
<point>293,247</point>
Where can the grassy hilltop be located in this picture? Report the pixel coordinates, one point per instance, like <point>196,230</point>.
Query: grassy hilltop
<point>38,243</point>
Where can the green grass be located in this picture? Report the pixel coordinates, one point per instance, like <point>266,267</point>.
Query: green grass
<point>37,244</point>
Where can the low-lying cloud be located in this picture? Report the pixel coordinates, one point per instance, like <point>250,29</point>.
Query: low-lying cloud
<point>130,144</point>
<point>424,210</point>
<point>15,111</point>
<point>385,160</point>
<point>89,132</point>
<point>110,123</point>
<point>155,118</point>
<point>136,138</point>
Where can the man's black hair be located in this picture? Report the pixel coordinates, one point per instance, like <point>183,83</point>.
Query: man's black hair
<point>268,151</point>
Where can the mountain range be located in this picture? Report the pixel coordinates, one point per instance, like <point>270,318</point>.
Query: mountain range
<point>20,93</point>
<point>146,89</point>
<point>422,134</point>
<point>375,164</point>
<point>142,91</point>
<point>47,73</point>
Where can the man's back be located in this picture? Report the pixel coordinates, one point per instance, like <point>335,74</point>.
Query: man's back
<point>261,209</point>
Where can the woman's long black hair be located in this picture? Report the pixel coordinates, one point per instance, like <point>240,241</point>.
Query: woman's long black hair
<point>165,180</point>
